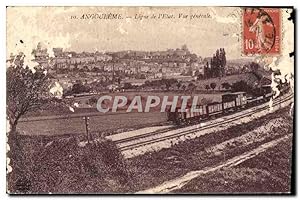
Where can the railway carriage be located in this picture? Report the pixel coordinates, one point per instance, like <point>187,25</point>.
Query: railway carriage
<point>189,115</point>
<point>228,106</point>
<point>238,97</point>
<point>177,117</point>
<point>214,109</point>
<point>200,111</point>
<point>174,116</point>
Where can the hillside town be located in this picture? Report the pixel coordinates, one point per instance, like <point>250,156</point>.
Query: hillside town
<point>154,70</point>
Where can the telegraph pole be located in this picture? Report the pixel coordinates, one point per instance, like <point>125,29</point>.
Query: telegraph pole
<point>86,120</point>
<point>113,72</point>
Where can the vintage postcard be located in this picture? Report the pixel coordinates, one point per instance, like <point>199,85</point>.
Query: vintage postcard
<point>150,100</point>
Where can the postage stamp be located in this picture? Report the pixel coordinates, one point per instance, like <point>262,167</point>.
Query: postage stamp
<point>261,31</point>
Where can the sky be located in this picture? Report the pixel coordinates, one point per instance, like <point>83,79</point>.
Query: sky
<point>54,27</point>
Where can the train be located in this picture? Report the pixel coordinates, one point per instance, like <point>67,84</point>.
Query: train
<point>231,102</point>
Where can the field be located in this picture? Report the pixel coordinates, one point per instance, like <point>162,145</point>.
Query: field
<point>203,98</point>
<point>61,121</point>
<point>86,106</point>
<point>101,123</point>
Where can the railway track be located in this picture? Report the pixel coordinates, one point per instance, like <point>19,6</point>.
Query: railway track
<point>150,140</point>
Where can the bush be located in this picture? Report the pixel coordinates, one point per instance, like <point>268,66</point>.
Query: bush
<point>63,166</point>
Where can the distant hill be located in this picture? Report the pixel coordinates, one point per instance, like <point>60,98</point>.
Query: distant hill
<point>240,61</point>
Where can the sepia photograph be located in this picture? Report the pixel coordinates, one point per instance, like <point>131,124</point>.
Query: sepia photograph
<point>150,100</point>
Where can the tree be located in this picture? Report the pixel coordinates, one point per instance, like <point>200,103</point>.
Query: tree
<point>213,66</point>
<point>200,77</point>
<point>226,86</point>
<point>168,82</point>
<point>189,72</point>
<point>147,83</point>
<point>254,66</point>
<point>178,85</point>
<point>93,100</point>
<point>191,87</point>
<point>143,76</point>
<point>217,63</point>
<point>242,86</point>
<point>78,87</point>
<point>213,85</point>
<point>222,61</point>
<point>81,87</point>
<point>25,91</point>
<point>128,85</point>
<point>207,87</point>
<point>197,73</point>
<point>206,71</point>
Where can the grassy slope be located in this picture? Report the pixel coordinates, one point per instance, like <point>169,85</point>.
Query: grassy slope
<point>267,172</point>
<point>154,168</point>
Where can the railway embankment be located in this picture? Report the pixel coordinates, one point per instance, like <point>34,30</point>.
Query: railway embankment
<point>157,169</point>
<point>158,140</point>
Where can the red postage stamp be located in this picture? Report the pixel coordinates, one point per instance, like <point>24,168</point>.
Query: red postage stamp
<point>261,31</point>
